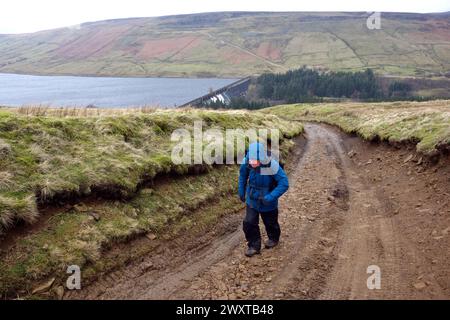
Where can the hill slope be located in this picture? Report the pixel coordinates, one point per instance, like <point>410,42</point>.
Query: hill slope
<point>234,44</point>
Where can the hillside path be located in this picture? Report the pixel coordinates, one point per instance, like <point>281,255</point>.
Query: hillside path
<point>335,224</point>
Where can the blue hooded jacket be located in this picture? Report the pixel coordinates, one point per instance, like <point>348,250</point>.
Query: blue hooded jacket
<point>261,189</point>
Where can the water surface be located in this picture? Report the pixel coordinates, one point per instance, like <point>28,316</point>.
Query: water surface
<point>18,90</point>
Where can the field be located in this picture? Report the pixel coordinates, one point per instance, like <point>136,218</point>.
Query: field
<point>234,44</point>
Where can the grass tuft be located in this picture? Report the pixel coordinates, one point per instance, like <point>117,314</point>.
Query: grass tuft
<point>15,208</point>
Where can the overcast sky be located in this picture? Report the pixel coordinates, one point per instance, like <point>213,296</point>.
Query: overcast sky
<point>17,16</point>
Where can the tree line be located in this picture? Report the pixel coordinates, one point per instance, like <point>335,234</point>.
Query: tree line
<point>308,85</point>
<point>298,85</point>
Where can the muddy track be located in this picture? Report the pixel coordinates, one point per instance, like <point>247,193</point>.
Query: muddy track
<point>335,223</point>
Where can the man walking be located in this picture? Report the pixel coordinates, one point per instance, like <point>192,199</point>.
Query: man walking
<point>261,182</point>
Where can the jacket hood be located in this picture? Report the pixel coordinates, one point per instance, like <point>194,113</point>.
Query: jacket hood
<point>257,151</point>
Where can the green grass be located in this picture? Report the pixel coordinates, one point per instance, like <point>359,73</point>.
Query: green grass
<point>46,158</point>
<point>426,124</point>
<point>50,158</point>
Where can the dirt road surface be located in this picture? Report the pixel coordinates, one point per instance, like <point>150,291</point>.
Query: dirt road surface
<point>350,205</point>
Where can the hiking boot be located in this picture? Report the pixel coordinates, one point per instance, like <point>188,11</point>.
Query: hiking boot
<point>250,252</point>
<point>270,244</point>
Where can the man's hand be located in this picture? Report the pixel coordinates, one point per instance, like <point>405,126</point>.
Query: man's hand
<point>267,199</point>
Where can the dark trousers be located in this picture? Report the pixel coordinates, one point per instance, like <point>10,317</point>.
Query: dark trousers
<point>251,226</point>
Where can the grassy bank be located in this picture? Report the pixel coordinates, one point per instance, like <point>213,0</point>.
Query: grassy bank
<point>109,178</point>
<point>82,234</point>
<point>426,124</point>
<point>48,158</point>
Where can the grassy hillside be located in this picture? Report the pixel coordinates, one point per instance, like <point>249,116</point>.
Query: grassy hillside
<point>94,180</point>
<point>234,44</point>
<point>425,123</point>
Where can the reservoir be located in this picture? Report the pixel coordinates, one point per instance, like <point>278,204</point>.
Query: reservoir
<point>71,91</point>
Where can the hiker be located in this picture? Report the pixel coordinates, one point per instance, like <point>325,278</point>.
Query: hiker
<point>261,182</point>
